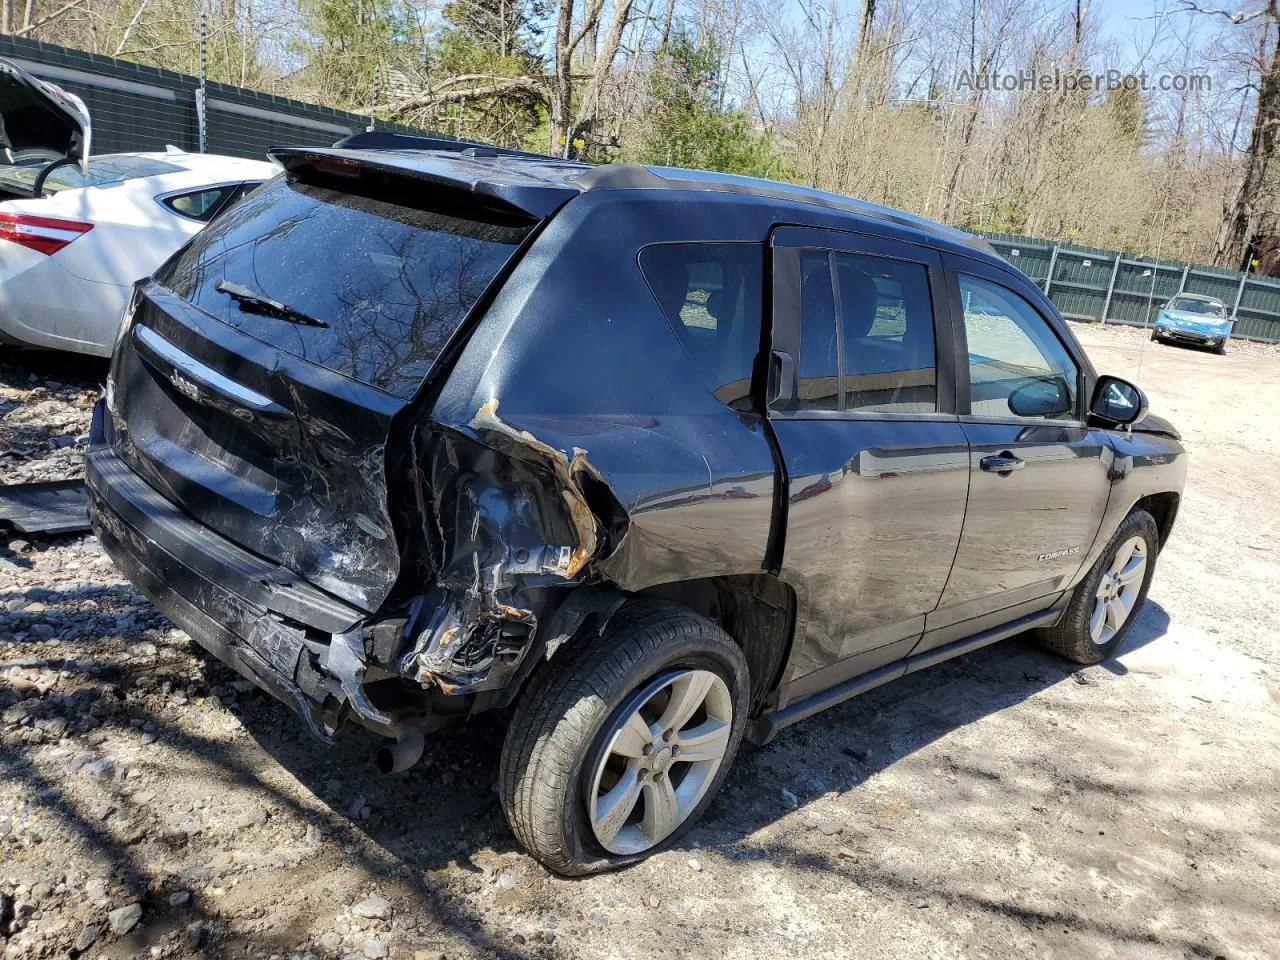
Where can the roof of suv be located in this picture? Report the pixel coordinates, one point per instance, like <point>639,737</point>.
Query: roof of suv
<point>517,177</point>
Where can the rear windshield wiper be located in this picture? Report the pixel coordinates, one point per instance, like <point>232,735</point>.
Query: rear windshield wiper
<point>256,302</point>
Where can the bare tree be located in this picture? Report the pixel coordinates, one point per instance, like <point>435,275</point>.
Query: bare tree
<point>1253,196</point>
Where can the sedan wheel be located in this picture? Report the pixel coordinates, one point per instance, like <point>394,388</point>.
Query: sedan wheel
<point>661,754</point>
<point>1118,592</point>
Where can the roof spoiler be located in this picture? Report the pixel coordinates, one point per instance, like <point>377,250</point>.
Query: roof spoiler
<point>485,186</point>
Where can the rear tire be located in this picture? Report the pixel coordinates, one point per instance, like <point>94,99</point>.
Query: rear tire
<point>1155,336</point>
<point>568,762</point>
<point>1092,628</point>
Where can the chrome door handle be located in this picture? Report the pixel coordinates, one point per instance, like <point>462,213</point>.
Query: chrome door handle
<point>1002,463</point>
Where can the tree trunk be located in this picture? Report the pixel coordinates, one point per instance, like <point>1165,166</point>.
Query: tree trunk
<point>1241,216</point>
<point>864,45</point>
<point>666,21</point>
<point>591,47</point>
<point>562,92</point>
<point>604,62</point>
<point>6,17</point>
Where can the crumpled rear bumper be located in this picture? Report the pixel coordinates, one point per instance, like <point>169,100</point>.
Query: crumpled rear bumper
<point>250,613</point>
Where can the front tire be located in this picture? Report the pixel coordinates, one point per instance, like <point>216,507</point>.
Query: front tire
<point>619,744</point>
<point>1106,602</point>
<point>1221,348</point>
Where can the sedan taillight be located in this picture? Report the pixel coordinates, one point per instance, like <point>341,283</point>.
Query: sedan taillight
<point>43,234</point>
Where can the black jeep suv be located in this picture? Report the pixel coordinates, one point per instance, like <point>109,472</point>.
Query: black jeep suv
<point>654,458</point>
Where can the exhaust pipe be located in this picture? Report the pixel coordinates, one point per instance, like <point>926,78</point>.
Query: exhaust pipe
<point>401,755</point>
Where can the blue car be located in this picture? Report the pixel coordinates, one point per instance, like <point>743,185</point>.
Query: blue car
<point>1191,318</point>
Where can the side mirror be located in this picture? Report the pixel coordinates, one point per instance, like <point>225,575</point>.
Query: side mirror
<point>1118,402</point>
<point>1042,397</point>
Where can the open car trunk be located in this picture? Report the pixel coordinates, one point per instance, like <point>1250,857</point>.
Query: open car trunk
<point>40,122</point>
<point>260,370</point>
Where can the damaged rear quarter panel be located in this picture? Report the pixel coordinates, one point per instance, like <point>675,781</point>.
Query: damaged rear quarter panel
<point>575,442</point>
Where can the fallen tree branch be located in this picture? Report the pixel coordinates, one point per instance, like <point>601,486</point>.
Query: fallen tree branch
<point>531,86</point>
<point>450,91</point>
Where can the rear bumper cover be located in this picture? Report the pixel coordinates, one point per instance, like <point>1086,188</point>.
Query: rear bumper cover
<point>42,304</point>
<point>251,614</point>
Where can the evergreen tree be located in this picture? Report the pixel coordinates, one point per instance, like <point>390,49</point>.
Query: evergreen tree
<point>684,125</point>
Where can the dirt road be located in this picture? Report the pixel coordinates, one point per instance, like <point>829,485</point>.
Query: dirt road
<point>1000,805</point>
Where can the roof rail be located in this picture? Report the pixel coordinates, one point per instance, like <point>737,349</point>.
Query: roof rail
<point>385,140</point>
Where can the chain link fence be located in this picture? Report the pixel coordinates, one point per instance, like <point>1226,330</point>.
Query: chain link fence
<point>1087,283</point>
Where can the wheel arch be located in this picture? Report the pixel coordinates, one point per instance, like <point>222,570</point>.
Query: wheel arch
<point>757,611</point>
<point>1163,507</point>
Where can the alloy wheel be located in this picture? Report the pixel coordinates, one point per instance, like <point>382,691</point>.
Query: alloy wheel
<point>660,756</point>
<point>1118,591</point>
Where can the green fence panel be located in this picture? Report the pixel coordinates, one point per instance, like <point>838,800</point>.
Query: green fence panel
<point>1213,282</point>
<point>1139,288</point>
<point>1143,278</point>
<point>1091,269</point>
<point>139,108</point>
<point>1078,302</point>
<point>1260,326</point>
<point>1261,295</point>
<point>1030,256</point>
<point>1139,308</point>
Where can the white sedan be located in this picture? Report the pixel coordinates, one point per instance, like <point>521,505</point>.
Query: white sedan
<point>69,257</point>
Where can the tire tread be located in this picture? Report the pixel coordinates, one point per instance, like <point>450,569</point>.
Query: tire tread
<point>559,710</point>
<point>1070,638</point>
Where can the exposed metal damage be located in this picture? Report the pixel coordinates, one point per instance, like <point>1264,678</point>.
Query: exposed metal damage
<point>512,526</point>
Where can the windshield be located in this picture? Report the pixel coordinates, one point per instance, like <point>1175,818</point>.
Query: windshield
<point>358,284</point>
<point>104,170</point>
<point>1203,308</point>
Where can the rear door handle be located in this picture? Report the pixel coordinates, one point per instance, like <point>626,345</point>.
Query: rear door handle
<point>1002,463</point>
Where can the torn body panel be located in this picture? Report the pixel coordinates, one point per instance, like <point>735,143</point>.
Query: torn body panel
<point>509,525</point>
<point>550,466</point>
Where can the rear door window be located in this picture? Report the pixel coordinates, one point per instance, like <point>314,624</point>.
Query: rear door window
<point>386,284</point>
<point>710,295</point>
<point>866,334</point>
<point>818,371</point>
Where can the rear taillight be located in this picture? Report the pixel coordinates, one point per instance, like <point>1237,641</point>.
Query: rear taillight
<point>43,234</point>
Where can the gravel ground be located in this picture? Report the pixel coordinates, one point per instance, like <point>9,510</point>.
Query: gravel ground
<point>1002,804</point>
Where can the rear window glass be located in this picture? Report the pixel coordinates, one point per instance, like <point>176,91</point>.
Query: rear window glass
<point>103,171</point>
<point>710,295</point>
<point>385,284</point>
